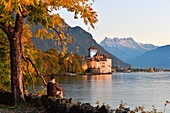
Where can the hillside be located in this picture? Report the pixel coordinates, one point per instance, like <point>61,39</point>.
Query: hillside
<point>125,48</point>
<point>82,40</point>
<point>159,58</point>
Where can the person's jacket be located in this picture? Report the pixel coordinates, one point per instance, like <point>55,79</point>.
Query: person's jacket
<point>52,89</point>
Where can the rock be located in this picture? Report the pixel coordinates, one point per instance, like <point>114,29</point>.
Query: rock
<point>33,100</point>
<point>49,104</point>
<point>125,110</point>
<point>103,109</point>
<point>6,98</point>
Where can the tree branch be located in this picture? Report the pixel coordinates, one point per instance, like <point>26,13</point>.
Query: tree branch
<point>58,33</point>
<point>55,31</point>
<point>33,86</point>
<point>3,27</point>
<point>36,70</point>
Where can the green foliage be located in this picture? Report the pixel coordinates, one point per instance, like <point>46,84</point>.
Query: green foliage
<point>138,109</point>
<point>41,92</point>
<point>54,62</point>
<point>123,109</point>
<point>47,62</point>
<point>70,63</point>
<point>4,62</point>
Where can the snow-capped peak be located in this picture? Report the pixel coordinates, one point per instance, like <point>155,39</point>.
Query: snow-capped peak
<point>125,48</point>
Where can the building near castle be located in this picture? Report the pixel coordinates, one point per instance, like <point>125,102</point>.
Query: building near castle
<point>98,63</point>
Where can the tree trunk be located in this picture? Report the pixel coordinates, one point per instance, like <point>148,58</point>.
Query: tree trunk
<point>16,62</point>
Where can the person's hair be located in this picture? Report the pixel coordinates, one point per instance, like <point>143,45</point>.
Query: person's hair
<point>52,77</point>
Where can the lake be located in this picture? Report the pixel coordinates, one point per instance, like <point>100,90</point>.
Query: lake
<point>134,89</point>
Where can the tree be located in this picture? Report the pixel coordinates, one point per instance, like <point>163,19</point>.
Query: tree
<point>14,14</point>
<point>48,62</point>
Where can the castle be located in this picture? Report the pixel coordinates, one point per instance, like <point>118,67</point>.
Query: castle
<point>98,63</point>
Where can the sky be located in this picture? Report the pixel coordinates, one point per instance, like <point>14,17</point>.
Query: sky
<point>146,21</point>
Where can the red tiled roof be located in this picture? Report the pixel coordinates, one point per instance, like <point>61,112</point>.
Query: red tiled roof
<point>92,47</point>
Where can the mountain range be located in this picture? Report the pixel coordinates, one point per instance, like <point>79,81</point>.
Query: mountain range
<point>125,48</point>
<point>159,58</point>
<point>81,41</point>
<point>137,54</point>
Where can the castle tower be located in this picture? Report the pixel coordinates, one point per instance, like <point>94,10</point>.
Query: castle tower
<point>92,51</point>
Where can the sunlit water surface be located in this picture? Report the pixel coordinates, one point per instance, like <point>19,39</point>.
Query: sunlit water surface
<point>134,89</point>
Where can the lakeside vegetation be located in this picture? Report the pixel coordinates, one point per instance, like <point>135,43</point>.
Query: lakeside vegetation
<point>48,62</point>
<point>149,69</point>
<point>78,108</point>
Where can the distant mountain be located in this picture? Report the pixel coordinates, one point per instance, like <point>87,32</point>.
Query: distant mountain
<point>159,58</point>
<point>82,40</point>
<point>125,48</point>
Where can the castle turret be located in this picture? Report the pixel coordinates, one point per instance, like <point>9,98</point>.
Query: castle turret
<point>92,51</point>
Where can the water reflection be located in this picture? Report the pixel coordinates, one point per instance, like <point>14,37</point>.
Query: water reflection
<point>101,87</point>
<point>87,88</point>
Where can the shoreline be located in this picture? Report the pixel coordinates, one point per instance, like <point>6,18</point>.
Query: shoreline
<point>53,105</point>
<point>89,74</point>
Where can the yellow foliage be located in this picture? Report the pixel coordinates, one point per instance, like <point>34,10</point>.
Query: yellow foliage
<point>28,2</point>
<point>41,33</point>
<point>8,5</point>
<point>56,20</point>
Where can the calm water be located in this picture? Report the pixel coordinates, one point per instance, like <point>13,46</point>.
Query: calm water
<point>135,89</point>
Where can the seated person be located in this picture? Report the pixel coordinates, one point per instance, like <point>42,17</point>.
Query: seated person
<point>53,89</point>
